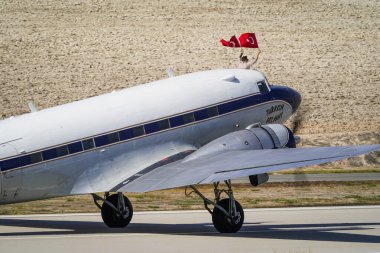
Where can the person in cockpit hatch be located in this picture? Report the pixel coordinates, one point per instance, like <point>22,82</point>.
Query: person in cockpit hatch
<point>244,63</point>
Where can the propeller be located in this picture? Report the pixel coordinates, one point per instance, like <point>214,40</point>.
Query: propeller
<point>298,118</point>
<point>295,126</point>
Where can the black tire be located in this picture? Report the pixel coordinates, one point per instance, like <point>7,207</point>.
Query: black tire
<point>111,218</point>
<point>224,224</point>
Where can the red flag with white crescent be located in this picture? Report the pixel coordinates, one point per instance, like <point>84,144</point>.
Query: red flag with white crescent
<point>248,40</point>
<point>233,42</point>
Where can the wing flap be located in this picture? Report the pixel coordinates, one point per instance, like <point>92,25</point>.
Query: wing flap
<point>220,176</point>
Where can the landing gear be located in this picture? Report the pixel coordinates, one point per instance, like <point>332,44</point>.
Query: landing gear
<point>228,223</point>
<point>227,214</point>
<point>116,209</point>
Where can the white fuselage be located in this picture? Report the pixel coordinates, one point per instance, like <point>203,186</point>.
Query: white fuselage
<point>104,165</point>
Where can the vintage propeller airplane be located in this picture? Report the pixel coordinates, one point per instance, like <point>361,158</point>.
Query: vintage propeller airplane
<point>200,128</point>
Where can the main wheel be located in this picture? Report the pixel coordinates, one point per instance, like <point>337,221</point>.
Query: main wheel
<point>225,224</point>
<point>114,219</point>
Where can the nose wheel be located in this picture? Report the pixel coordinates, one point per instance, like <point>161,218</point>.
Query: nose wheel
<point>116,210</point>
<point>227,214</point>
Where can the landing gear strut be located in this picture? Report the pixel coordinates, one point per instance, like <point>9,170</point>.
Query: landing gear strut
<point>227,214</point>
<point>116,209</point>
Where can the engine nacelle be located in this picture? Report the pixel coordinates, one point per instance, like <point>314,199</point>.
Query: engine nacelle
<point>274,136</point>
<point>259,179</point>
<point>271,136</point>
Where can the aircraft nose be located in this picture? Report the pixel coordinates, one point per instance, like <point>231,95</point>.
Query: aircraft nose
<point>287,94</point>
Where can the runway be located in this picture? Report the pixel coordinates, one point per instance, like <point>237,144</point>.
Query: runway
<point>275,230</point>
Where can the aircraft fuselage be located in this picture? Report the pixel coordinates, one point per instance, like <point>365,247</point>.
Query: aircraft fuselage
<point>89,145</point>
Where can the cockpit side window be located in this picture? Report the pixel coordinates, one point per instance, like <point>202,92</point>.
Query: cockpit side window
<point>263,87</point>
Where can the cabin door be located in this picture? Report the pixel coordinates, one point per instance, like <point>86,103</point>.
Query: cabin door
<point>10,181</point>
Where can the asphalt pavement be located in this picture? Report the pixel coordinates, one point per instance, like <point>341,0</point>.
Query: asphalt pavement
<point>275,230</point>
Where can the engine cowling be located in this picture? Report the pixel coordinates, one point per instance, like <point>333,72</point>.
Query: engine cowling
<point>274,136</point>
<point>271,136</point>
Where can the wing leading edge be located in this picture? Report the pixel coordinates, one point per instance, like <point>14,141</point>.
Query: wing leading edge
<point>235,164</point>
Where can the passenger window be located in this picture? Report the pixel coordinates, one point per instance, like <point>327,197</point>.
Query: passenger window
<point>30,159</point>
<point>188,118</point>
<point>212,111</point>
<point>201,114</point>
<point>114,137</point>
<point>36,157</point>
<point>138,131</point>
<point>151,128</point>
<point>176,121</point>
<point>62,151</point>
<point>126,134</point>
<point>75,147</point>
<point>49,154</point>
<point>88,144</point>
<point>163,124</point>
<point>106,139</point>
<point>156,126</point>
<point>181,120</point>
<point>131,133</point>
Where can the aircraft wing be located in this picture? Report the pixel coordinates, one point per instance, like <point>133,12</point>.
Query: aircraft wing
<point>235,164</point>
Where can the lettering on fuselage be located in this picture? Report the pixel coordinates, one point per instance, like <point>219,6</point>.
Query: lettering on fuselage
<point>274,118</point>
<point>278,109</point>
<point>275,108</point>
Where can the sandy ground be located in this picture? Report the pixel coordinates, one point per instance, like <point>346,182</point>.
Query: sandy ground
<point>55,52</point>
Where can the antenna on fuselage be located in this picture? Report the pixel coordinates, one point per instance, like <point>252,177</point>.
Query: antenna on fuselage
<point>32,107</point>
<point>170,72</point>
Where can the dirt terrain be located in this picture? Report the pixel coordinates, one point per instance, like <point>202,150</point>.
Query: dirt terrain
<point>55,52</point>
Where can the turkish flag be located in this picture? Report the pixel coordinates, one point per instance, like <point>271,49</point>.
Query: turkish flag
<point>248,40</point>
<point>234,42</point>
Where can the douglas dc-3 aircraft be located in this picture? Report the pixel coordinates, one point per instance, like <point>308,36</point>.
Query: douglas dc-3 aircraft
<point>200,128</point>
